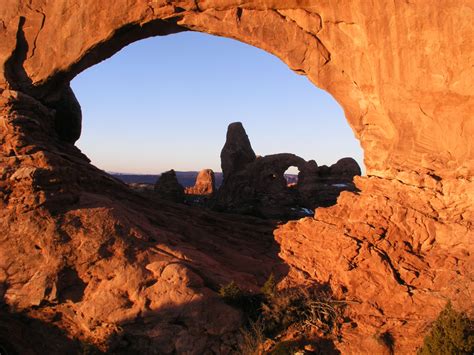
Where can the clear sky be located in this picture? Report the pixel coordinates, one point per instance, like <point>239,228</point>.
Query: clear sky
<point>165,102</point>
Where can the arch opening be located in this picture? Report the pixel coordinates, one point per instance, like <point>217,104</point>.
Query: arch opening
<point>168,104</point>
<point>291,175</point>
<point>163,104</point>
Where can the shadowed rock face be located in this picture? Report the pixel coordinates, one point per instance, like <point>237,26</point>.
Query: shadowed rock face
<point>168,188</point>
<point>397,249</point>
<point>260,188</point>
<point>344,169</point>
<point>321,186</point>
<point>257,186</point>
<point>237,151</point>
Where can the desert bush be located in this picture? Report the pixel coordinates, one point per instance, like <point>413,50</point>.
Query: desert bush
<point>273,311</point>
<point>269,287</point>
<point>451,333</point>
<point>305,307</point>
<point>248,303</point>
<point>253,338</point>
<point>231,293</point>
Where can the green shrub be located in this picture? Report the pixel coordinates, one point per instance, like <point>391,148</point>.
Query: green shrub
<point>231,293</point>
<point>269,287</point>
<point>451,333</point>
<point>248,303</point>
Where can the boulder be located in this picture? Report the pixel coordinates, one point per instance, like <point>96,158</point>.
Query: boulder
<point>343,170</point>
<point>205,184</point>
<point>168,188</point>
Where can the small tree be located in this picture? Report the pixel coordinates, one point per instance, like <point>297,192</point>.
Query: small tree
<point>452,333</point>
<point>269,287</point>
<point>231,293</point>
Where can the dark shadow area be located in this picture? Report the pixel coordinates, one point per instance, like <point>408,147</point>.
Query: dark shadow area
<point>67,116</point>
<point>186,328</point>
<point>23,335</point>
<point>70,286</point>
<point>169,329</point>
<point>14,66</point>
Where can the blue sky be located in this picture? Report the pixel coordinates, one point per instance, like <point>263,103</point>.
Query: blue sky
<point>165,102</point>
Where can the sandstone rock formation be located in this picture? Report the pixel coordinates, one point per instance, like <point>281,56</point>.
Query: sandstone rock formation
<point>237,151</point>
<point>260,188</point>
<point>345,168</point>
<point>321,186</point>
<point>257,185</point>
<point>168,188</point>
<point>205,184</point>
<point>82,253</point>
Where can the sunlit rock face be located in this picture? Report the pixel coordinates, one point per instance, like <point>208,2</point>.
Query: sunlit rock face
<point>205,184</point>
<point>80,252</point>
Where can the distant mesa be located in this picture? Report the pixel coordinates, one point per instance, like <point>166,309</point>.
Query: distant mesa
<point>168,188</point>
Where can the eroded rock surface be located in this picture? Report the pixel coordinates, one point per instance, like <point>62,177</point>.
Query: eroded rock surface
<point>85,254</point>
<point>205,184</point>
<point>168,188</point>
<point>79,251</point>
<point>397,263</point>
<point>257,185</point>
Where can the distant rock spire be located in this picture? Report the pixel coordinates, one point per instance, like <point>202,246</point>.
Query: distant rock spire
<point>237,151</point>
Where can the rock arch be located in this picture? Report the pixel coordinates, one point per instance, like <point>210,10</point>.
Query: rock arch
<point>335,45</point>
<point>398,69</point>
